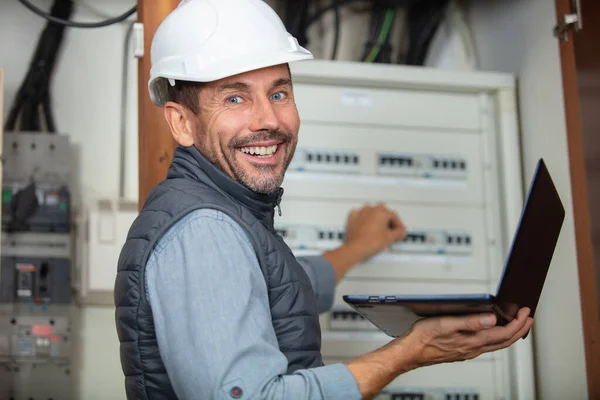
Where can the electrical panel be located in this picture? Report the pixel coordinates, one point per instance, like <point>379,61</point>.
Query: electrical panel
<point>36,268</point>
<point>430,394</point>
<point>425,166</point>
<point>440,149</point>
<point>326,160</point>
<point>52,213</point>
<point>35,352</point>
<point>37,280</point>
<point>449,172</point>
<point>37,334</point>
<point>35,188</point>
<point>442,243</point>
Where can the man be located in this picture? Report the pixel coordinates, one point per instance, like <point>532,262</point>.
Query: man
<point>211,303</point>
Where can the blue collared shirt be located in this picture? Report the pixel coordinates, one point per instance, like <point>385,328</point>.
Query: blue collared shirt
<point>212,318</point>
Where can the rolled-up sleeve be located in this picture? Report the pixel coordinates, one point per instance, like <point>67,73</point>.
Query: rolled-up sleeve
<point>212,319</point>
<point>322,278</point>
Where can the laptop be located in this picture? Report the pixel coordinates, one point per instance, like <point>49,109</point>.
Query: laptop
<point>522,280</point>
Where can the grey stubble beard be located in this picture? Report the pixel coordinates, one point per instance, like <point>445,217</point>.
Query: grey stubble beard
<point>267,182</point>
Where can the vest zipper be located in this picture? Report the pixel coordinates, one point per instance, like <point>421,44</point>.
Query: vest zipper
<point>277,203</point>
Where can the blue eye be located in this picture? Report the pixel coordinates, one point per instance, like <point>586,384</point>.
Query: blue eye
<point>278,96</point>
<point>234,99</point>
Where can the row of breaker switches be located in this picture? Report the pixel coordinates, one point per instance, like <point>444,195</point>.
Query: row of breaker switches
<point>323,234</point>
<point>450,238</point>
<point>398,160</point>
<point>391,164</point>
<point>327,157</point>
<point>450,164</point>
<point>342,320</point>
<point>416,241</point>
<point>331,235</point>
<point>432,162</point>
<point>410,237</point>
<point>427,395</point>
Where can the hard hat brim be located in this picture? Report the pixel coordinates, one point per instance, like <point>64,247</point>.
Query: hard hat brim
<point>196,70</point>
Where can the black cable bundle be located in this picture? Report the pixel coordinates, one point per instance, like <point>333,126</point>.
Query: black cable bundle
<point>296,19</point>
<point>423,20</point>
<point>23,205</point>
<point>31,110</point>
<point>377,46</point>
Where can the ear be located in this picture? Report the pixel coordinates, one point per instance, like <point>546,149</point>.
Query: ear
<point>181,123</point>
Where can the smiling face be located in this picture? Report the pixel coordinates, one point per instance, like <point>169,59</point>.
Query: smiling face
<point>247,125</point>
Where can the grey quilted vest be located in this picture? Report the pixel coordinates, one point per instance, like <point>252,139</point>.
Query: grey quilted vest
<point>192,183</point>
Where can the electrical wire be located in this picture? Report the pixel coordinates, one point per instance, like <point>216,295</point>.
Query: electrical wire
<point>339,3</point>
<point>458,20</point>
<point>336,39</point>
<point>423,20</point>
<point>73,24</point>
<point>376,21</point>
<point>123,127</point>
<point>31,109</point>
<point>383,36</point>
<point>295,19</point>
<point>318,14</point>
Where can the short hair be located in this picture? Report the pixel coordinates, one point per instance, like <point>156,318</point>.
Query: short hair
<point>185,93</point>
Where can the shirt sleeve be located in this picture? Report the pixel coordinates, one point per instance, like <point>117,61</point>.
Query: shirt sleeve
<point>322,277</point>
<point>212,319</point>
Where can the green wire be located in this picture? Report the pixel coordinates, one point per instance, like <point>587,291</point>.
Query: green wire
<point>383,34</point>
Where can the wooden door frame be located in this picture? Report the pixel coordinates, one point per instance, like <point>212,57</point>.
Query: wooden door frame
<point>581,214</point>
<point>155,143</point>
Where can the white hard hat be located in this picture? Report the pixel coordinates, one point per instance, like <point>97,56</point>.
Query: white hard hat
<point>207,40</point>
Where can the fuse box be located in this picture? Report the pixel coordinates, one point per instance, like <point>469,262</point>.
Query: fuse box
<point>51,213</point>
<point>439,148</point>
<point>36,267</point>
<point>36,194</point>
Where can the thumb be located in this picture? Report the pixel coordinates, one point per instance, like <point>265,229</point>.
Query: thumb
<point>481,322</point>
<point>469,323</point>
<point>397,230</point>
<point>396,234</point>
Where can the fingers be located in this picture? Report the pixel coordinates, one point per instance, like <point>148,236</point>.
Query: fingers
<point>472,323</point>
<point>448,339</point>
<point>501,335</point>
<point>377,223</point>
<point>518,335</point>
<point>398,230</point>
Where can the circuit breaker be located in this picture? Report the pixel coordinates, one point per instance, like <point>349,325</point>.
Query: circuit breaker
<point>36,280</point>
<point>51,207</point>
<point>35,352</point>
<point>36,184</point>
<point>35,271</point>
<point>441,149</point>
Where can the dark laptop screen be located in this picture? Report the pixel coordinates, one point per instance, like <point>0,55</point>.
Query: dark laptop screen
<point>533,245</point>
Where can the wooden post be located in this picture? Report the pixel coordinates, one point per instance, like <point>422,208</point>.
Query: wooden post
<point>580,63</point>
<point>155,145</point>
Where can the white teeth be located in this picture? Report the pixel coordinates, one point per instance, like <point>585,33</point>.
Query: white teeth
<point>260,151</point>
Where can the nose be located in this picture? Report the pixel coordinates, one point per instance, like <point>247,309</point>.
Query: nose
<point>264,116</point>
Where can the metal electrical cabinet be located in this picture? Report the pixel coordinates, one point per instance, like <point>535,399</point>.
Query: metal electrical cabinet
<point>36,313</point>
<point>440,148</point>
